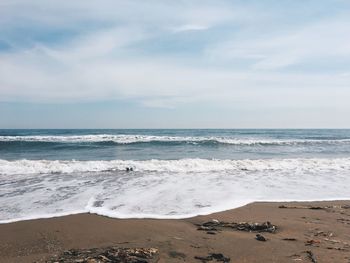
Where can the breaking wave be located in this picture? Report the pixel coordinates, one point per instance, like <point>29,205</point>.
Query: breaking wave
<point>173,166</point>
<point>32,189</point>
<point>133,139</point>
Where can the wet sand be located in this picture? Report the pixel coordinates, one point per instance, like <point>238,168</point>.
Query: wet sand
<point>324,230</point>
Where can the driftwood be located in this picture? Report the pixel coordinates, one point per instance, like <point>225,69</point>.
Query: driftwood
<point>215,225</point>
<point>305,207</point>
<point>218,257</point>
<point>109,254</point>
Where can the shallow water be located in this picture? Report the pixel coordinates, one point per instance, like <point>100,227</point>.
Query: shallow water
<point>176,173</point>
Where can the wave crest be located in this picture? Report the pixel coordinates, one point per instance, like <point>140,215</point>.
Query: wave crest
<point>132,139</point>
<point>172,166</point>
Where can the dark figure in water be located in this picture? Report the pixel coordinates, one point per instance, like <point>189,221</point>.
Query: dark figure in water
<point>129,169</point>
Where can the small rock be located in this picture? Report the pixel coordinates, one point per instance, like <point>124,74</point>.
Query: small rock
<point>260,237</point>
<point>219,257</point>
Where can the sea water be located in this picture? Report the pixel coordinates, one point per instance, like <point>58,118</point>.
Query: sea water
<point>175,173</point>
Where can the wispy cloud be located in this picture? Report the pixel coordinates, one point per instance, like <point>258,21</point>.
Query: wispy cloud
<point>190,27</point>
<point>244,57</point>
<point>325,39</point>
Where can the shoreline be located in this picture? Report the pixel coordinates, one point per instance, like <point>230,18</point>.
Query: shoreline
<point>161,217</point>
<point>320,227</point>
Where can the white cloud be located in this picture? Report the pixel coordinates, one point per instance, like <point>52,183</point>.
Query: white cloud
<point>151,14</point>
<point>109,62</point>
<point>190,27</point>
<point>326,39</point>
<point>37,75</point>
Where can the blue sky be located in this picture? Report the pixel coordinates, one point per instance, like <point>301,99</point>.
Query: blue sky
<point>175,64</point>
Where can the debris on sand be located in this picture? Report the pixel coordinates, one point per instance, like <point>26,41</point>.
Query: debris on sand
<point>311,256</point>
<point>218,257</point>
<point>334,241</point>
<point>260,237</point>
<point>109,254</point>
<point>289,239</point>
<point>338,248</point>
<point>343,246</point>
<point>304,207</point>
<point>206,228</point>
<point>312,242</point>
<point>316,207</point>
<point>344,220</point>
<point>323,233</point>
<point>176,254</point>
<point>296,257</point>
<point>215,225</point>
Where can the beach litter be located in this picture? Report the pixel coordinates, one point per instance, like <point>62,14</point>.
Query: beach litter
<point>215,225</point>
<point>346,206</point>
<point>109,254</point>
<point>218,257</point>
<point>305,207</point>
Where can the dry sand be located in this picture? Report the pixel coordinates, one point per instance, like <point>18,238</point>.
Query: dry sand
<point>324,232</point>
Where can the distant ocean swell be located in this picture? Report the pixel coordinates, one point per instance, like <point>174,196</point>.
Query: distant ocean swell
<point>134,139</point>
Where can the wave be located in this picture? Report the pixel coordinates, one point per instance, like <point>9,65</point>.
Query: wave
<point>133,139</point>
<point>173,166</point>
<point>162,188</point>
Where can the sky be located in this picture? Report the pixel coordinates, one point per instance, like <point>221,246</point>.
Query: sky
<point>175,64</point>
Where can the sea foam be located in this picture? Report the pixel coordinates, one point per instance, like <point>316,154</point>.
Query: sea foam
<point>163,188</point>
<point>131,139</point>
<point>176,166</point>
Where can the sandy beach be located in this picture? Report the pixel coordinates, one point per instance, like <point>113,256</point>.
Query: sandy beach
<point>174,131</point>
<point>305,232</point>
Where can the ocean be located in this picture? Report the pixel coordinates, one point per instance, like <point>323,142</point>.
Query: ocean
<point>166,173</point>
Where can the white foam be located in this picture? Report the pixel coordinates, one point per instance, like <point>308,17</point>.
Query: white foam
<point>163,188</point>
<point>128,139</point>
<point>182,165</point>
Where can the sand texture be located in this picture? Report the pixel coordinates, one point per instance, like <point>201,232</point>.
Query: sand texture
<point>286,232</point>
